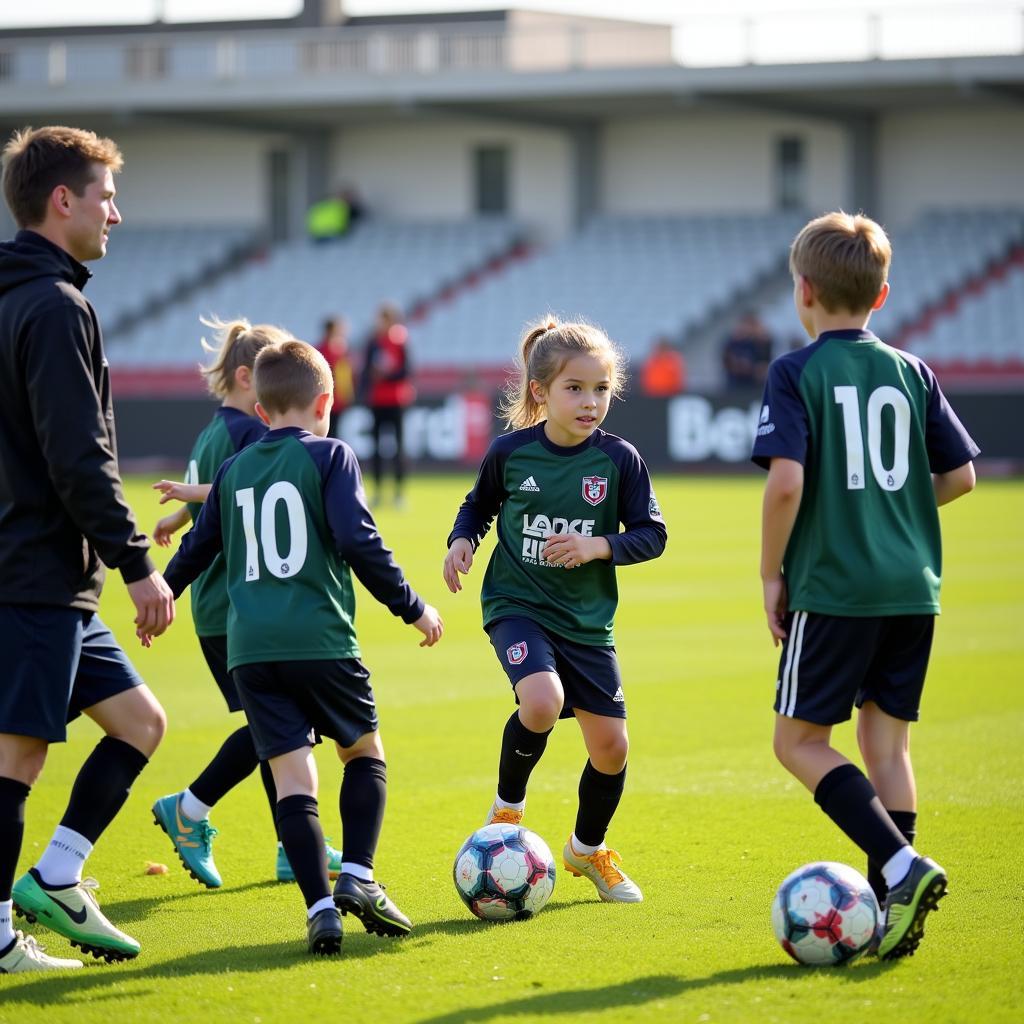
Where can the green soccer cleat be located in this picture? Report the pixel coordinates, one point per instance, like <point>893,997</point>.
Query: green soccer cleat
<point>323,932</point>
<point>193,840</point>
<point>369,902</point>
<point>27,955</point>
<point>906,907</point>
<point>74,913</point>
<point>284,871</point>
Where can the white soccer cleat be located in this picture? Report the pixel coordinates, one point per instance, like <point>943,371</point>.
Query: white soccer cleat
<point>601,867</point>
<point>27,955</point>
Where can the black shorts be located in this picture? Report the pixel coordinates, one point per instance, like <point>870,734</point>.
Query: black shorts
<point>215,651</point>
<point>590,675</point>
<point>290,703</point>
<point>57,663</point>
<point>831,663</point>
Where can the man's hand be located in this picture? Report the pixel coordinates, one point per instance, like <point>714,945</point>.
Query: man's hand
<point>430,625</point>
<point>571,550</point>
<point>458,560</point>
<point>154,606</point>
<point>775,601</point>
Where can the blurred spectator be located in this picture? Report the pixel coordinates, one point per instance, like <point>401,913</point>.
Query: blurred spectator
<point>664,371</point>
<point>329,219</point>
<point>387,385</point>
<point>747,353</point>
<point>333,346</point>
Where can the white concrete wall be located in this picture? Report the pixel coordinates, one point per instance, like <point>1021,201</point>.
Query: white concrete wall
<point>424,170</point>
<point>185,176</point>
<point>951,158</point>
<point>714,162</point>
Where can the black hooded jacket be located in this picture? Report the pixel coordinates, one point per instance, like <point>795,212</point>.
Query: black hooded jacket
<point>62,506</point>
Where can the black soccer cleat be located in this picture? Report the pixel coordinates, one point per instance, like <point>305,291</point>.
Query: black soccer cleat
<point>323,931</point>
<point>369,902</point>
<point>907,906</point>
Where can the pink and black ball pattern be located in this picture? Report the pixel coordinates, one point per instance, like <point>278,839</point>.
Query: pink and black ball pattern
<point>825,913</point>
<point>504,873</point>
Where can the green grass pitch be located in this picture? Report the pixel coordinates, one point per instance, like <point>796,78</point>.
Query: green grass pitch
<point>709,824</point>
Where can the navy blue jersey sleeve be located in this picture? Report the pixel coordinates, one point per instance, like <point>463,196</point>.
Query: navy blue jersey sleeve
<point>644,535</point>
<point>201,545</point>
<point>484,501</point>
<point>355,532</point>
<point>949,445</point>
<point>783,428</point>
<point>244,430</point>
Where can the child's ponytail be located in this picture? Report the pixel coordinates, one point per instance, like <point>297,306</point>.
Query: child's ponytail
<point>237,344</point>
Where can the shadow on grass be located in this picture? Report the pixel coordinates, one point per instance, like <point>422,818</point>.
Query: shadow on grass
<point>638,991</point>
<point>467,924</point>
<point>125,912</point>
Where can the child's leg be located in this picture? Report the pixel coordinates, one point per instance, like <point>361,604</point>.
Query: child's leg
<point>236,760</point>
<point>841,790</point>
<point>298,823</point>
<point>603,778</point>
<point>362,799</point>
<point>885,746</point>
<point>525,737</point>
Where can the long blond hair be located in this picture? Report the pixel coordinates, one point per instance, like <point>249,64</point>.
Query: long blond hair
<point>236,343</point>
<point>545,349</point>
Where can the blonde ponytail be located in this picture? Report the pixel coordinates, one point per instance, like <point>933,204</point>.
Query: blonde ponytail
<point>237,343</point>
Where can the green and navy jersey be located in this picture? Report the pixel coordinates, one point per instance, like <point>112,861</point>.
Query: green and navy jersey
<point>870,425</point>
<point>289,514</point>
<point>536,488</point>
<point>228,432</point>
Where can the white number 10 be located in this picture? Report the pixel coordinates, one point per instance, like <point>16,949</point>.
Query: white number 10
<point>890,478</point>
<point>280,566</point>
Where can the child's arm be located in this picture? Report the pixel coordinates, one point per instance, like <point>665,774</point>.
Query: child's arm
<point>782,494</point>
<point>475,516</point>
<point>169,525</point>
<point>176,489</point>
<point>954,484</point>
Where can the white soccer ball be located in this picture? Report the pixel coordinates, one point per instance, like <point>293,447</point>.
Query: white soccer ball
<point>504,873</point>
<point>825,913</point>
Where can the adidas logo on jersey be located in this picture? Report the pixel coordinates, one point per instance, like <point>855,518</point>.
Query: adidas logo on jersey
<point>529,484</point>
<point>620,697</point>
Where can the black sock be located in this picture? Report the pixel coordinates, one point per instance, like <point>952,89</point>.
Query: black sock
<point>521,749</point>
<point>364,790</point>
<point>271,790</point>
<point>236,760</point>
<point>298,824</point>
<point>13,795</point>
<point>599,797</point>
<point>849,799</point>
<point>102,786</point>
<point>906,822</point>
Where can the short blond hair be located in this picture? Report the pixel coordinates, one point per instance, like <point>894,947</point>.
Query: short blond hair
<point>845,257</point>
<point>291,375</point>
<point>37,160</point>
<point>545,349</point>
<point>237,343</point>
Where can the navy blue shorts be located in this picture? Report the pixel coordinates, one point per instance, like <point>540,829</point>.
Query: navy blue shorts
<point>215,651</point>
<point>57,663</point>
<point>831,663</point>
<point>290,704</point>
<point>590,675</point>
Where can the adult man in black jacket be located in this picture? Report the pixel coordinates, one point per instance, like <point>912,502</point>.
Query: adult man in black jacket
<point>63,516</point>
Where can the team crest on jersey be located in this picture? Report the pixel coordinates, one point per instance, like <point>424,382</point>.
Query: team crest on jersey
<point>595,488</point>
<point>516,654</point>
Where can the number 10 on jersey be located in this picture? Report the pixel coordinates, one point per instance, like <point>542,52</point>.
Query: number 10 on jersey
<point>895,476</point>
<point>281,566</point>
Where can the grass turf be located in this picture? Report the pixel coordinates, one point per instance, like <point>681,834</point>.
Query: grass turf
<point>709,825</point>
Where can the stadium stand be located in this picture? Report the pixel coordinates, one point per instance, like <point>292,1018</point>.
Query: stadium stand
<point>953,296</point>
<point>298,284</point>
<point>637,277</point>
<point>147,267</point>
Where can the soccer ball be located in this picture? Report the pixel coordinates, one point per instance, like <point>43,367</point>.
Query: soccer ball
<point>504,873</point>
<point>825,913</point>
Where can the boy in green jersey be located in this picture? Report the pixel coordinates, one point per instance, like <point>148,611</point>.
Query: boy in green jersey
<point>289,514</point>
<point>559,488</point>
<point>185,816</point>
<point>861,448</point>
